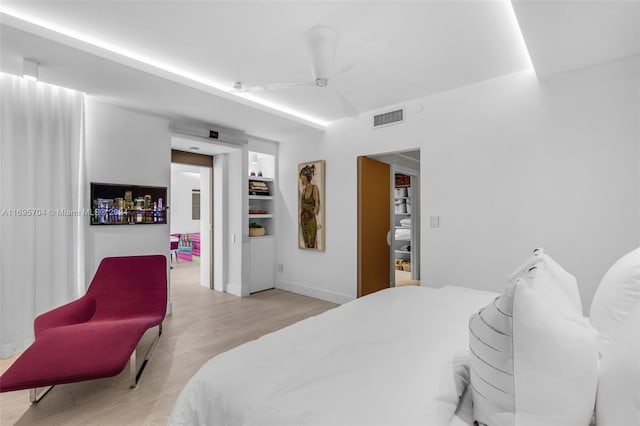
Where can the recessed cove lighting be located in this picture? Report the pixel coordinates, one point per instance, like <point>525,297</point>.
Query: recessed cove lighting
<point>160,65</point>
<point>520,36</point>
<point>29,69</point>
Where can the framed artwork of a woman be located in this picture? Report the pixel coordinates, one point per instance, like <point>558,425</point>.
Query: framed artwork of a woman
<point>311,207</point>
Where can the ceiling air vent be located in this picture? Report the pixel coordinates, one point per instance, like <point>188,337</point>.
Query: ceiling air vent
<point>391,117</point>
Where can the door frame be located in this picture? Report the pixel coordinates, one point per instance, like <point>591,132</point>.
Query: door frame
<point>417,193</point>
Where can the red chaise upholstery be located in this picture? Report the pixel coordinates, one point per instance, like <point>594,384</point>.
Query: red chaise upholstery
<point>94,337</point>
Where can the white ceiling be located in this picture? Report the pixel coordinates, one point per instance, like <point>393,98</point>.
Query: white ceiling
<point>412,49</point>
<point>567,35</point>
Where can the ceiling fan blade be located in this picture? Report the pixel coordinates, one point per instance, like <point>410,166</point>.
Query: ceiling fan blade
<point>347,106</point>
<point>239,88</point>
<point>321,45</point>
<point>364,55</point>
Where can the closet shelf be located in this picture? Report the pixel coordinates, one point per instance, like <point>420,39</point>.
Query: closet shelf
<point>260,216</point>
<point>261,197</point>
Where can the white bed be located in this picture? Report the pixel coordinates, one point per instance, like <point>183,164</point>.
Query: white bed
<point>400,357</point>
<point>391,358</point>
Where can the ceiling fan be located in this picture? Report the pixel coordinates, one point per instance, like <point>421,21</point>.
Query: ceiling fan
<point>321,44</point>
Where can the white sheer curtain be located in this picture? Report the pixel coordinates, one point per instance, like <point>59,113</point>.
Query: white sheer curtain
<point>41,197</point>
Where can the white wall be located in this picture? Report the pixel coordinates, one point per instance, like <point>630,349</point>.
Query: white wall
<point>237,221</point>
<point>508,165</point>
<point>124,146</point>
<point>220,222</point>
<point>182,184</point>
<point>261,163</point>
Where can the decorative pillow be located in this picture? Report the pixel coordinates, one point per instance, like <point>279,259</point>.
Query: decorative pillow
<point>617,295</point>
<point>491,361</point>
<point>533,355</point>
<point>618,401</point>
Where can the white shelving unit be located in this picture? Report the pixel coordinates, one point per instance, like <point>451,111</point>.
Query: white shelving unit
<point>404,235</point>
<point>261,207</point>
<point>262,211</point>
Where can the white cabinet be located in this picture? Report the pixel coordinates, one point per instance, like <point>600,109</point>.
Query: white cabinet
<point>262,252</point>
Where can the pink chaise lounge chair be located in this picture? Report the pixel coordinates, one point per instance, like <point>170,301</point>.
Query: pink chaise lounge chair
<point>95,336</point>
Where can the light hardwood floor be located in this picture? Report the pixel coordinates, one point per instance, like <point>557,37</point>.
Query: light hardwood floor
<point>204,323</point>
<point>404,278</point>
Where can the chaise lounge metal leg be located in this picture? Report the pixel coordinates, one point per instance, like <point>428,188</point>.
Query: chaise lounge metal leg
<point>133,371</point>
<point>36,394</point>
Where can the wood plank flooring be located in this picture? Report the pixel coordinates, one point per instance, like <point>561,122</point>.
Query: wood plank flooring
<point>204,323</point>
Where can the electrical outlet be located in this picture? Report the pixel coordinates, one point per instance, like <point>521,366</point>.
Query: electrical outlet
<point>280,267</point>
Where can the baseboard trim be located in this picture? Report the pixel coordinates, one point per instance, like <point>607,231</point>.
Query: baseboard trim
<point>329,296</point>
<point>234,289</point>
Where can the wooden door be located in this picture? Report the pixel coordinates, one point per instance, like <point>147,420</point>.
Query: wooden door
<point>374,222</point>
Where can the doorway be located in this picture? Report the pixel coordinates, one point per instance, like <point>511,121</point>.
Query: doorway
<point>388,220</point>
<point>405,233</point>
<point>191,216</point>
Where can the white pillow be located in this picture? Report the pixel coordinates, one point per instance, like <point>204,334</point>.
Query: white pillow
<point>617,295</point>
<point>555,356</point>
<point>618,401</point>
<point>565,280</point>
<point>533,355</point>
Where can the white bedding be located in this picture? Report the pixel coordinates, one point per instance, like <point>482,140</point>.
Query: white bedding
<point>385,359</point>
<point>464,413</point>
